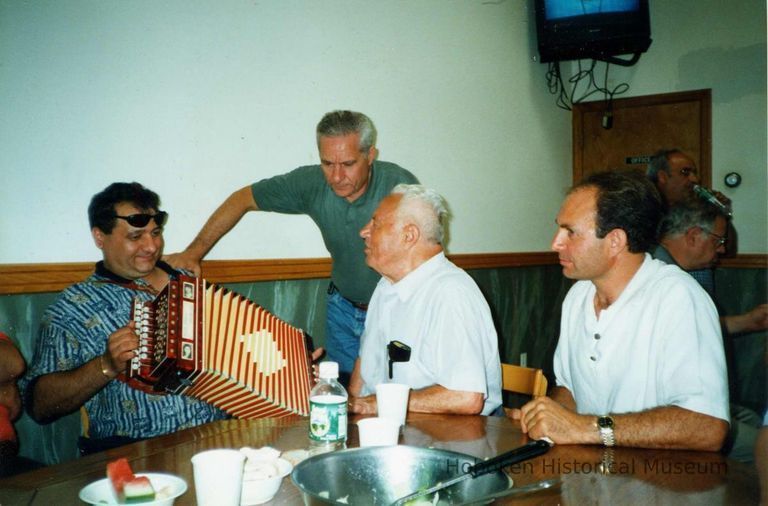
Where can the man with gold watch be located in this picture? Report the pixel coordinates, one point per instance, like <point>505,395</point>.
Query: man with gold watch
<point>640,358</point>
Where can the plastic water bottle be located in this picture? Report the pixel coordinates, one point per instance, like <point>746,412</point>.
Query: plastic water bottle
<point>712,199</point>
<point>327,411</point>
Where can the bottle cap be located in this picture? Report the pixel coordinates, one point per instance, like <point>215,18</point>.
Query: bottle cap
<point>329,370</point>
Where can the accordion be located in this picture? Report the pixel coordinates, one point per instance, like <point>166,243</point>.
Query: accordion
<point>205,341</point>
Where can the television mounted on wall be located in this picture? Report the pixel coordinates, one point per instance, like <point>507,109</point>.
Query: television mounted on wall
<point>595,29</point>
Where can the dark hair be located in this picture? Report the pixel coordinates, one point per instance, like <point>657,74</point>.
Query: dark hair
<point>101,211</point>
<point>338,123</point>
<point>627,200</point>
<point>660,163</point>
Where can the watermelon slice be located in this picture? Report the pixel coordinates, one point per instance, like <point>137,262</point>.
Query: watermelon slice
<point>119,472</point>
<point>138,489</point>
<point>128,487</point>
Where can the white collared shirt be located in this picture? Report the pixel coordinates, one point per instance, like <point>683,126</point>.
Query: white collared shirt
<point>439,312</point>
<point>658,344</point>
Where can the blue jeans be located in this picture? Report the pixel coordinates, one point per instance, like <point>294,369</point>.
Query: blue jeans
<point>344,325</point>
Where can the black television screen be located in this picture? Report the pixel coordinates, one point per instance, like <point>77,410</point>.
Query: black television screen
<point>573,29</point>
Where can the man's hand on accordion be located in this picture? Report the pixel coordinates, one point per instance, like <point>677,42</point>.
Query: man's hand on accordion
<point>121,347</point>
<point>316,356</point>
<point>185,261</point>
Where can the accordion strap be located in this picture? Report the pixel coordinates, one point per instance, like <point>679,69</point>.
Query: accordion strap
<point>128,286</point>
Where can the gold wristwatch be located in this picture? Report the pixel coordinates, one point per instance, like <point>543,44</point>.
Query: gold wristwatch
<point>605,426</point>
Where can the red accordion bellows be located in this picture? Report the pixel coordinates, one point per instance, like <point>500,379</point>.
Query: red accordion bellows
<point>208,342</point>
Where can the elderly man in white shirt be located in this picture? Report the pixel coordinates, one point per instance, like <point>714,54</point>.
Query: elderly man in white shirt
<point>427,303</point>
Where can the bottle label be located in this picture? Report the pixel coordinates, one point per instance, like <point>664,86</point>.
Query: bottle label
<point>328,418</point>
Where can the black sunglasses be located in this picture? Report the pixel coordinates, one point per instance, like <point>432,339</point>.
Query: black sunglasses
<point>141,220</point>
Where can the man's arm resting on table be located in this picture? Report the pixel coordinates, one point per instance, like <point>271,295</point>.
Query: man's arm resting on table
<point>434,399</point>
<point>561,395</point>
<point>668,427</point>
<point>221,221</point>
<point>360,405</point>
<point>438,399</point>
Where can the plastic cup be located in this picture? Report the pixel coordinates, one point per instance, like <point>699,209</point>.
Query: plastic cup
<point>378,432</point>
<point>392,401</point>
<point>218,477</point>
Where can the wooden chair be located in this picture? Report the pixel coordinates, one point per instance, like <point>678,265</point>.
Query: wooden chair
<point>523,380</point>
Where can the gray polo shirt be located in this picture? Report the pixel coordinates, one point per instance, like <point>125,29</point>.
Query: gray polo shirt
<point>305,191</point>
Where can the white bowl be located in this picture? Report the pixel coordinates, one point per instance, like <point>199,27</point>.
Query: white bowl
<point>259,491</point>
<point>167,488</point>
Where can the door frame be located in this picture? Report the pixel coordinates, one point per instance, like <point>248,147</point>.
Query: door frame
<point>703,97</point>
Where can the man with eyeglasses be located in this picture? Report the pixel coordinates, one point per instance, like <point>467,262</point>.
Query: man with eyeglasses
<point>675,175</point>
<point>87,336</point>
<point>692,234</point>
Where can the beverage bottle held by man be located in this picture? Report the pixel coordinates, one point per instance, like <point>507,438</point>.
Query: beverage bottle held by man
<point>327,411</point>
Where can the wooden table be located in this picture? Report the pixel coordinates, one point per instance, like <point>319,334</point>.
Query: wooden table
<point>590,475</point>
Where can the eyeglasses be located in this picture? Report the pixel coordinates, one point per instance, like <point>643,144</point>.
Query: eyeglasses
<point>141,220</point>
<point>720,238</point>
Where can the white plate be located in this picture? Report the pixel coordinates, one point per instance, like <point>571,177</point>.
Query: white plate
<point>167,488</point>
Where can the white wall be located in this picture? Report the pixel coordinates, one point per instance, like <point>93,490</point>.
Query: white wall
<point>198,98</point>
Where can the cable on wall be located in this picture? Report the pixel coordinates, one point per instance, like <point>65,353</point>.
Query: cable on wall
<point>584,78</point>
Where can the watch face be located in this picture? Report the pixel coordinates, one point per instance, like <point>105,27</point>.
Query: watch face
<point>605,422</point>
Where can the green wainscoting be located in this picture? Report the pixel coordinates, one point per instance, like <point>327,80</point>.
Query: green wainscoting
<point>738,291</point>
<point>525,302</point>
<point>51,443</point>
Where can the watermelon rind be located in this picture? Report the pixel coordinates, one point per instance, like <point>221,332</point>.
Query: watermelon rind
<point>138,490</point>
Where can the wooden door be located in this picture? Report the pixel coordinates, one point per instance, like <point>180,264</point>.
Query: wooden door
<point>641,126</point>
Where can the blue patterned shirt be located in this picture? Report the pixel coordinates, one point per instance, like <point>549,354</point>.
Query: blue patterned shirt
<point>75,330</point>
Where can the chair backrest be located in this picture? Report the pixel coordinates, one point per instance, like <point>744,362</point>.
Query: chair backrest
<point>523,380</point>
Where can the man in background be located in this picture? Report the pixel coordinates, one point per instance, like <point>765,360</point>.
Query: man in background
<point>339,195</point>
<point>87,336</point>
<point>640,357</point>
<point>428,304</point>
<point>692,234</point>
<point>675,175</point>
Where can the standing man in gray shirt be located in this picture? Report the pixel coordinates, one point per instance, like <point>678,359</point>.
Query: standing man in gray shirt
<point>340,195</point>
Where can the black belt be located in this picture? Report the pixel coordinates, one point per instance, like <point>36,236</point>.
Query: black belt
<point>359,305</point>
